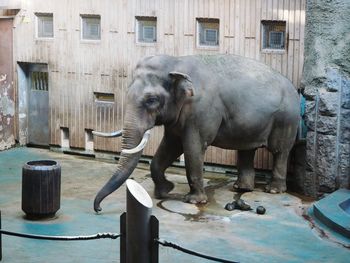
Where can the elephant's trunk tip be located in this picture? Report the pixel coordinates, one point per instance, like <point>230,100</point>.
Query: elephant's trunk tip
<point>97,206</point>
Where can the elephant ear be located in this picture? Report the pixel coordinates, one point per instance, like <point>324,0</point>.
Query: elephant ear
<point>182,83</point>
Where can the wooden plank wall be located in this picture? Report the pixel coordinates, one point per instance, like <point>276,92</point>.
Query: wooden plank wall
<point>78,68</point>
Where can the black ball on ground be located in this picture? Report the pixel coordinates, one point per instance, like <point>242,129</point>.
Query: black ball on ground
<point>260,210</point>
<point>242,205</point>
<point>234,203</point>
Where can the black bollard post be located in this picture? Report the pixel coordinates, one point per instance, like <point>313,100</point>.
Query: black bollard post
<point>154,237</point>
<point>0,239</point>
<point>139,239</point>
<point>123,238</point>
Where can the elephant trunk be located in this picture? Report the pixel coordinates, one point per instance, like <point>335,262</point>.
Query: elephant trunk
<point>126,166</point>
<point>129,158</point>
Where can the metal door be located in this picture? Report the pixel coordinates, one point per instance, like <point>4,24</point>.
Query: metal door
<point>38,105</point>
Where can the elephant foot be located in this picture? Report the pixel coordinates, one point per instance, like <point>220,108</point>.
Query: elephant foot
<point>161,190</point>
<point>199,198</point>
<point>244,185</point>
<point>276,187</point>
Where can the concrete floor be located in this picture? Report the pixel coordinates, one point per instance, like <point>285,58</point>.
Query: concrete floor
<point>281,235</point>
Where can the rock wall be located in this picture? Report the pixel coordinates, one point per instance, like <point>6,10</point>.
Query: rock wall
<point>326,81</point>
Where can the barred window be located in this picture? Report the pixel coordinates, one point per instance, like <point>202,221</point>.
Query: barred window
<point>39,81</point>
<point>273,35</point>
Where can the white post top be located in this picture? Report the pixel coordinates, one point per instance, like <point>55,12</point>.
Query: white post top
<point>139,193</point>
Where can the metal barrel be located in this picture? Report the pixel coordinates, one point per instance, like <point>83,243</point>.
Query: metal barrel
<point>41,188</point>
<point>138,223</point>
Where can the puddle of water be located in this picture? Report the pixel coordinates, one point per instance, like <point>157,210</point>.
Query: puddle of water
<point>206,211</point>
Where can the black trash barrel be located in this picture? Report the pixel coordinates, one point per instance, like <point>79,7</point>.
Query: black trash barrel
<point>41,188</point>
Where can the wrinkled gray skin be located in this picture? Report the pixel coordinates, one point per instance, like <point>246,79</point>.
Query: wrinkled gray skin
<point>222,100</point>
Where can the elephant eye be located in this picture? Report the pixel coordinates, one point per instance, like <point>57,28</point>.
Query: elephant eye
<point>152,102</point>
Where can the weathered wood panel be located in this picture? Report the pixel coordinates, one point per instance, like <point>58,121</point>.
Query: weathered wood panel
<point>79,68</point>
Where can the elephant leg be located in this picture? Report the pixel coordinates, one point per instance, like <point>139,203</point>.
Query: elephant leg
<point>168,151</point>
<point>246,173</point>
<point>279,172</point>
<point>194,151</point>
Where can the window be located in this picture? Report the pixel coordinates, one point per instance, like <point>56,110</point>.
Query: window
<point>91,27</point>
<point>208,32</point>
<point>273,35</point>
<point>104,97</point>
<point>146,29</point>
<point>44,25</point>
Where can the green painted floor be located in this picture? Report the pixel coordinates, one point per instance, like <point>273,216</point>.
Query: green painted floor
<point>281,235</point>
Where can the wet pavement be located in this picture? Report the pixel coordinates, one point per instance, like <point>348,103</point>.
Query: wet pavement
<point>284,234</point>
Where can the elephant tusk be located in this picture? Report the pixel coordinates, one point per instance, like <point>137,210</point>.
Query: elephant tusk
<point>108,134</point>
<point>141,145</point>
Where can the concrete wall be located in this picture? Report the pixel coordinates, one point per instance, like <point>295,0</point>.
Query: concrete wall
<point>326,78</point>
<point>7,95</point>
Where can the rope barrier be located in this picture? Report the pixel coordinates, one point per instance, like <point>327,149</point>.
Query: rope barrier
<point>190,252</point>
<point>62,238</point>
<point>111,236</point>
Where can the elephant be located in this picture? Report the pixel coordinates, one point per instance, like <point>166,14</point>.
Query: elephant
<point>227,101</point>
